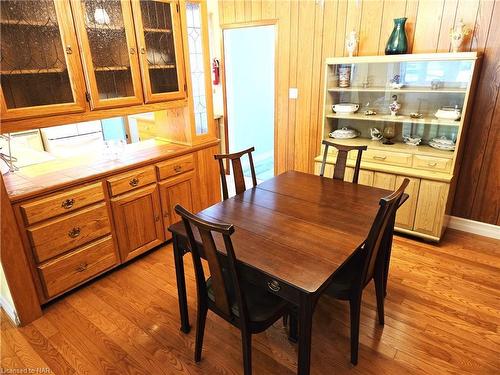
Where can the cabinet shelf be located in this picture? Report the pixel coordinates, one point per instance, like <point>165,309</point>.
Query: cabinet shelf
<point>389,118</point>
<point>162,66</point>
<point>156,30</point>
<point>29,23</point>
<point>401,90</point>
<point>33,71</point>
<point>96,26</point>
<point>111,68</point>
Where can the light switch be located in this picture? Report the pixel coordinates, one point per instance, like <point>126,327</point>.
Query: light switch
<point>293,93</point>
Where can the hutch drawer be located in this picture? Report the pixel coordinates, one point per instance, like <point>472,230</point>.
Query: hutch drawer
<point>388,157</point>
<point>67,271</point>
<point>56,236</point>
<point>175,166</point>
<point>132,180</point>
<point>67,201</point>
<point>432,163</point>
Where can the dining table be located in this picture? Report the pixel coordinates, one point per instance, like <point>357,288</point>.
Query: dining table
<point>292,233</point>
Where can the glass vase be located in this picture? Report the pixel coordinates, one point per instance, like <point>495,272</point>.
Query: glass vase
<point>398,42</point>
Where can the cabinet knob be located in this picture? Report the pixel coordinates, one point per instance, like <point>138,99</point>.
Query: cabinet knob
<point>75,232</point>
<point>69,50</point>
<point>81,267</point>
<point>274,285</point>
<point>157,218</point>
<point>177,168</point>
<point>132,51</point>
<point>134,182</point>
<point>143,50</point>
<point>68,203</point>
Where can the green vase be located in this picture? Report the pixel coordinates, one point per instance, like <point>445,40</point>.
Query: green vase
<point>397,43</point>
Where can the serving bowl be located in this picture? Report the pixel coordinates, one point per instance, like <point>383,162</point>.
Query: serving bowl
<point>344,133</point>
<point>345,108</point>
<point>448,114</point>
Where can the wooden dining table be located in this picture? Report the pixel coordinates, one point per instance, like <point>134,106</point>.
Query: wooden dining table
<point>292,233</point>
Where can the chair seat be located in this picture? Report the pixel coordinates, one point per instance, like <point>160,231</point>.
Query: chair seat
<point>262,306</point>
<point>344,278</point>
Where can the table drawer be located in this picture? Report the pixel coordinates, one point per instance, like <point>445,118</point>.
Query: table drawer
<point>132,180</point>
<point>71,269</point>
<point>175,166</point>
<point>57,204</point>
<point>56,236</point>
<point>387,157</point>
<point>431,163</point>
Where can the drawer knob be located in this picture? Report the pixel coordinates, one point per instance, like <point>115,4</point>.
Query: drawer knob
<point>68,203</point>
<point>82,267</point>
<point>376,157</point>
<point>177,168</point>
<point>432,164</point>
<point>274,285</point>
<point>134,182</point>
<point>75,232</point>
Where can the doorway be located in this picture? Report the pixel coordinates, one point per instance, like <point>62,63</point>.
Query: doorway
<point>249,91</point>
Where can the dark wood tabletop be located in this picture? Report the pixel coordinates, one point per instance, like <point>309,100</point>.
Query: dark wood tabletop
<point>295,228</point>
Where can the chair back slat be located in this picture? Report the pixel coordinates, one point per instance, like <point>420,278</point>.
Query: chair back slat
<point>239,177</point>
<point>341,161</point>
<point>373,243</point>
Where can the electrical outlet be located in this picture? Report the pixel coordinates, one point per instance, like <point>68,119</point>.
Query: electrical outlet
<point>293,93</point>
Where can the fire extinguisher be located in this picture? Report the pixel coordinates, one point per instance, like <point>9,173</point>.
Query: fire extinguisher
<point>216,71</point>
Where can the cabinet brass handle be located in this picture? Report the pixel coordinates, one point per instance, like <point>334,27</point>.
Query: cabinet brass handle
<point>432,164</point>
<point>134,182</point>
<point>69,50</point>
<point>274,285</point>
<point>157,218</point>
<point>132,51</point>
<point>68,203</point>
<point>75,232</point>
<point>143,50</point>
<point>178,168</point>
<point>376,157</point>
<point>82,267</point>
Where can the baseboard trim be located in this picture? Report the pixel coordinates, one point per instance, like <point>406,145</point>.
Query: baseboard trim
<point>476,227</point>
<point>9,310</point>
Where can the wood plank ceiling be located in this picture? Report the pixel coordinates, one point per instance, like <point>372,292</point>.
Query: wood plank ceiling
<point>311,30</point>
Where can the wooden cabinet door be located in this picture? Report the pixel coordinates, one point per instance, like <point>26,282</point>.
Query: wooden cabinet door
<point>364,178</point>
<point>138,224</point>
<point>384,180</point>
<point>176,190</point>
<point>109,51</point>
<point>159,38</point>
<point>41,73</point>
<point>431,207</point>
<point>406,213</point>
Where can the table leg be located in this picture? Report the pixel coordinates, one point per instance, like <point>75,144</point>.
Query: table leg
<point>305,334</point>
<point>181,285</point>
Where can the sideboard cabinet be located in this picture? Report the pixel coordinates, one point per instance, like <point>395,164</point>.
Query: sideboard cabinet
<point>421,84</point>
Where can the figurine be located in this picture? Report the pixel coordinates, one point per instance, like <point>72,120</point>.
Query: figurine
<point>376,134</point>
<point>396,82</point>
<point>394,106</point>
<point>458,34</point>
<point>351,43</point>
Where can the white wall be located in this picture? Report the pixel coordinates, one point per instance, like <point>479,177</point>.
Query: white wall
<point>6,301</point>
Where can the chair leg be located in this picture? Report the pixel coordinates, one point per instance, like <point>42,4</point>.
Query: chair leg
<point>200,330</point>
<point>246,339</point>
<point>355,307</point>
<point>380,293</point>
<point>285,319</point>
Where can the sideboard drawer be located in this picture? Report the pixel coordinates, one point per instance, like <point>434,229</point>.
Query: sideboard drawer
<point>432,163</point>
<point>67,201</point>
<point>65,233</point>
<point>132,180</point>
<point>387,157</point>
<point>80,265</point>
<point>175,166</point>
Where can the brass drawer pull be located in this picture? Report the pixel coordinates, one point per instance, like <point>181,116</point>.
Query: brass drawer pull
<point>75,232</point>
<point>132,51</point>
<point>143,50</point>
<point>432,164</point>
<point>177,168</point>
<point>69,50</point>
<point>68,203</point>
<point>134,182</point>
<point>82,267</point>
<point>274,285</point>
<point>376,157</point>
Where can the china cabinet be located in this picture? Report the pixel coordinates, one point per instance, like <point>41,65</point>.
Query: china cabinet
<point>433,93</point>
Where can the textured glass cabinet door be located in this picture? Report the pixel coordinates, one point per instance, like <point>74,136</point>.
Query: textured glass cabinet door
<point>160,49</point>
<point>106,33</point>
<point>40,63</point>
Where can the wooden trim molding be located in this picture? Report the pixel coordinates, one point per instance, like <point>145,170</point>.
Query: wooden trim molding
<point>15,265</point>
<point>476,227</point>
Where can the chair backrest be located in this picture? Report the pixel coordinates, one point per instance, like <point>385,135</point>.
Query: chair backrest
<point>373,243</point>
<point>219,282</point>
<point>340,163</point>
<point>239,178</point>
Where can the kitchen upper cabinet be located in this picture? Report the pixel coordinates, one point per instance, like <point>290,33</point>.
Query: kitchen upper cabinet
<point>109,52</point>
<point>159,40</point>
<point>41,72</point>
<point>176,190</point>
<point>137,219</point>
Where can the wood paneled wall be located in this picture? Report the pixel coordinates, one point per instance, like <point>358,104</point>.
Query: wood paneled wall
<point>311,30</point>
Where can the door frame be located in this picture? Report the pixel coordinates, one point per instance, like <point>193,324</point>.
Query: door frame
<point>240,25</point>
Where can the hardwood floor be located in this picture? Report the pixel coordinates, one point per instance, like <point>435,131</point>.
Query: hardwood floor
<point>442,316</point>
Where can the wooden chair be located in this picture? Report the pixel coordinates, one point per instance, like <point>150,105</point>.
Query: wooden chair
<point>247,307</point>
<point>341,162</point>
<point>239,178</point>
<point>364,265</point>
